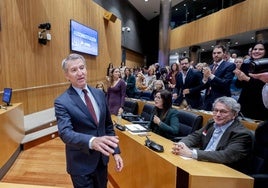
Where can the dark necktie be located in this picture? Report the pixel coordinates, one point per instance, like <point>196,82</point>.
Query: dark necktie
<point>214,68</point>
<point>90,106</point>
<point>213,72</point>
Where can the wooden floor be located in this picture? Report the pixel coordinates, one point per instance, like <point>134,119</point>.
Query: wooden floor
<point>43,164</point>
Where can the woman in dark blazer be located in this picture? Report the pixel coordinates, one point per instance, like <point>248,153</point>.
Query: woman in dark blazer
<point>130,80</point>
<point>166,119</point>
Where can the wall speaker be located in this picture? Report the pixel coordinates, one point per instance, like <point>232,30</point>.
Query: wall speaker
<point>109,16</point>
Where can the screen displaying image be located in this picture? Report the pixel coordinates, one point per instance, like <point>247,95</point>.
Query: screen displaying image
<point>7,96</point>
<point>83,39</point>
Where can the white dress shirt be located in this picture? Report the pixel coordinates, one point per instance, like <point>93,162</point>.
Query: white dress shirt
<point>265,95</point>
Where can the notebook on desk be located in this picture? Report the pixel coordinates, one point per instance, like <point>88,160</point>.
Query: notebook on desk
<point>136,128</point>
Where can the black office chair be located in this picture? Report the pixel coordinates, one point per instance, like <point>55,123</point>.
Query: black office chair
<point>131,106</point>
<point>146,115</point>
<point>259,165</point>
<point>189,122</point>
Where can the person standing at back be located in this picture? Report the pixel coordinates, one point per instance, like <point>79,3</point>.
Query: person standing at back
<point>251,94</point>
<point>217,77</point>
<point>116,93</point>
<point>187,89</point>
<point>86,128</point>
<point>130,80</point>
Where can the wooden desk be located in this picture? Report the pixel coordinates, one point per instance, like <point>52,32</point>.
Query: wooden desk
<point>15,185</point>
<point>11,134</point>
<point>146,168</point>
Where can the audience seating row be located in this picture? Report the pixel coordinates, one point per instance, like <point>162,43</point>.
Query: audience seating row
<point>189,121</point>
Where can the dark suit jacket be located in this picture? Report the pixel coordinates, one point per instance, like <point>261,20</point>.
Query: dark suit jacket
<point>220,85</point>
<point>131,86</point>
<point>169,126</point>
<point>193,81</point>
<point>233,149</point>
<point>76,127</point>
<point>251,97</point>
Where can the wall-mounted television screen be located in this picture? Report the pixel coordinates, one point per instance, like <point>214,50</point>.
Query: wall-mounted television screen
<point>7,94</point>
<point>83,38</point>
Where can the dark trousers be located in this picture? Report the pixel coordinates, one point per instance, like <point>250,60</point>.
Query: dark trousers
<point>97,179</point>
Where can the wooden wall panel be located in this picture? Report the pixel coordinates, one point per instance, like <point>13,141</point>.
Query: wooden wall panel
<point>34,70</point>
<point>246,16</point>
<point>134,60</point>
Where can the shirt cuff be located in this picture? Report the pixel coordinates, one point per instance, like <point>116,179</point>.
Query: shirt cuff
<point>90,142</point>
<point>194,154</point>
<point>212,76</point>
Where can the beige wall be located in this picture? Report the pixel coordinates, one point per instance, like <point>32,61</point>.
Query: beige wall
<point>34,70</point>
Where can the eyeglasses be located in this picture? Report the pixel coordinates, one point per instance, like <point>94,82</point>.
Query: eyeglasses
<point>216,111</point>
<point>157,97</point>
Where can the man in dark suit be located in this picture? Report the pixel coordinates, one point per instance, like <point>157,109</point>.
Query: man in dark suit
<point>217,78</point>
<point>223,140</point>
<point>187,89</point>
<point>88,133</point>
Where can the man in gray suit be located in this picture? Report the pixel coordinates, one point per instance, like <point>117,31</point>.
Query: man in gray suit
<point>88,133</point>
<point>223,140</point>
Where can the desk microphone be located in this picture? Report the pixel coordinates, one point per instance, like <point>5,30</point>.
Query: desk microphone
<point>153,145</point>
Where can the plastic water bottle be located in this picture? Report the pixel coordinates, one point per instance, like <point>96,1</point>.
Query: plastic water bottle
<point>119,119</point>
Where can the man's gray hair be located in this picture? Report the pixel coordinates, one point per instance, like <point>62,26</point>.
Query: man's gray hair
<point>71,57</point>
<point>229,102</point>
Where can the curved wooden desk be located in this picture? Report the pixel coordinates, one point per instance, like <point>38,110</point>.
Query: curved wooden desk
<point>146,168</point>
<point>11,134</point>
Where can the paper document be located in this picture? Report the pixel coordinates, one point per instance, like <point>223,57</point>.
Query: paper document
<point>136,128</point>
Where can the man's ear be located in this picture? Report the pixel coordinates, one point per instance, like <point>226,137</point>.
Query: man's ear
<point>66,76</point>
<point>235,115</point>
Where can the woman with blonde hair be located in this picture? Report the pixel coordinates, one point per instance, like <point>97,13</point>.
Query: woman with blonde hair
<point>100,85</point>
<point>140,82</point>
<point>150,77</point>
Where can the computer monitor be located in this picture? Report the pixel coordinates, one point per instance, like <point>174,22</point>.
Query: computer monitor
<point>7,94</point>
